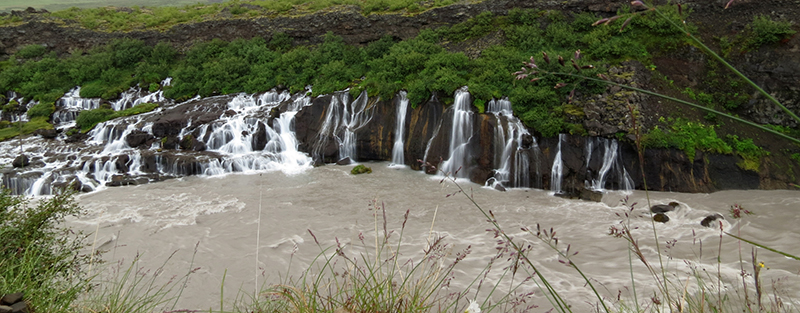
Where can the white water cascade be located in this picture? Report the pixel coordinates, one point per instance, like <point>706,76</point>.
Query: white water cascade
<point>511,156</point>
<point>71,104</point>
<point>557,172</point>
<point>342,120</point>
<point>612,171</point>
<point>460,135</point>
<point>398,156</point>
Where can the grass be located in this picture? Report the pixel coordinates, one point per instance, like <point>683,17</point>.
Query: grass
<point>13,129</point>
<point>57,5</point>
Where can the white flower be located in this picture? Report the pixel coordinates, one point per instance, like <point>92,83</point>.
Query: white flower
<point>473,307</point>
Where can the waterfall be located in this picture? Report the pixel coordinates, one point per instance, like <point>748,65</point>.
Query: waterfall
<point>71,104</point>
<point>511,157</point>
<point>398,157</point>
<point>460,135</point>
<point>283,143</point>
<point>558,168</point>
<point>342,119</point>
<point>612,171</point>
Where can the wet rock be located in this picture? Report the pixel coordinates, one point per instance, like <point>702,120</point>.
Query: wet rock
<point>46,133</point>
<point>21,161</point>
<point>139,139</point>
<point>591,195</point>
<point>708,221</point>
<point>664,208</point>
<point>661,218</point>
<point>499,187</point>
<point>344,161</point>
<point>361,169</point>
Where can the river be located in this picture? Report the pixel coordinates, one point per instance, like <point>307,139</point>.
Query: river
<point>212,223</point>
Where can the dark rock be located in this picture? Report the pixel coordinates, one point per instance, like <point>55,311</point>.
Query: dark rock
<point>708,220</point>
<point>344,161</point>
<point>5,309</point>
<point>169,142</point>
<point>664,208</point>
<point>591,195</point>
<point>259,138</point>
<point>21,161</point>
<point>661,218</point>
<point>12,298</point>
<point>499,187</point>
<point>46,133</point>
<point>19,307</point>
<point>139,139</point>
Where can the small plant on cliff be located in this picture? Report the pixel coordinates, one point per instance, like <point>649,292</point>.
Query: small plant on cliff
<point>765,31</point>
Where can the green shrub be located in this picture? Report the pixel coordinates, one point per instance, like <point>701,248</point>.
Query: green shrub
<point>750,153</point>
<point>87,119</point>
<point>688,137</point>
<point>41,110</point>
<point>765,31</point>
<point>31,51</point>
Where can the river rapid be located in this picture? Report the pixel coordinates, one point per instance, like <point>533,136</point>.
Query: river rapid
<point>249,229</point>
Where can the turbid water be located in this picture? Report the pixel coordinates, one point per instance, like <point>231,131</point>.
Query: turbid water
<point>220,217</point>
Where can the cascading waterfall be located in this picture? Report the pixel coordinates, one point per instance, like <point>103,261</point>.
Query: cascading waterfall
<point>342,119</point>
<point>460,135</point>
<point>71,104</point>
<point>612,171</point>
<point>557,172</point>
<point>135,96</point>
<point>283,143</point>
<point>398,156</point>
<point>510,153</point>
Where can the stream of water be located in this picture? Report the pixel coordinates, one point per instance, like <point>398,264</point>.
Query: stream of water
<point>220,217</point>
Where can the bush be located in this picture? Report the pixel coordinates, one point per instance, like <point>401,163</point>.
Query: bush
<point>31,51</point>
<point>87,119</point>
<point>765,31</point>
<point>39,257</point>
<point>688,137</point>
<point>41,110</point>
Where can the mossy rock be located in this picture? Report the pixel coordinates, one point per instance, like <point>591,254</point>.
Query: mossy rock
<point>360,169</point>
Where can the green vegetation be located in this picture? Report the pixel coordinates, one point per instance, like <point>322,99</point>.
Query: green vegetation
<point>765,31</point>
<point>688,137</point>
<point>360,169</point>
<point>10,130</point>
<point>38,256</point>
<point>88,119</point>
<point>750,153</point>
<point>56,5</point>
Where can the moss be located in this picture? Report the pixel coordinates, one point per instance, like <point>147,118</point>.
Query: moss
<point>27,128</point>
<point>360,169</point>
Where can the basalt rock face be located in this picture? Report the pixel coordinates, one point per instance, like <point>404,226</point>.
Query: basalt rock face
<point>424,122</point>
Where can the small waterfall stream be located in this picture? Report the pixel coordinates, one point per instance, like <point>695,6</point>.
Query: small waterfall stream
<point>460,135</point>
<point>557,172</point>
<point>511,155</point>
<point>612,174</point>
<point>398,157</point>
